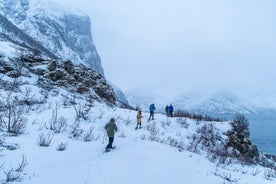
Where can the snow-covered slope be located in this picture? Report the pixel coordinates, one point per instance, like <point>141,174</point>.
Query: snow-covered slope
<point>62,31</point>
<point>140,156</point>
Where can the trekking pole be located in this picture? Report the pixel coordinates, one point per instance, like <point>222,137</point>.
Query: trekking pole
<point>104,137</point>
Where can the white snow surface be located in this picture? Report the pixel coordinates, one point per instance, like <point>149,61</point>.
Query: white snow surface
<point>7,50</point>
<point>136,159</point>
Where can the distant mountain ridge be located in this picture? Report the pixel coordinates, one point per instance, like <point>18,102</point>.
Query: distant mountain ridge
<point>219,103</point>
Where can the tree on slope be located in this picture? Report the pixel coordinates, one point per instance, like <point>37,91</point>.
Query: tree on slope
<point>239,139</point>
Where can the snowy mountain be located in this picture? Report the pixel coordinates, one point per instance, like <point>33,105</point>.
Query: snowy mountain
<point>10,32</point>
<point>120,94</point>
<point>143,98</point>
<point>62,31</point>
<point>224,102</point>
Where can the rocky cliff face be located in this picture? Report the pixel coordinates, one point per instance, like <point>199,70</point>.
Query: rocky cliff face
<point>64,32</point>
<point>53,75</point>
<point>52,48</point>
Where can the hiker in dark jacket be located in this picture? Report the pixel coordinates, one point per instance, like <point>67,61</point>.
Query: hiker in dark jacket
<point>167,110</point>
<point>110,128</point>
<point>151,109</point>
<point>170,108</point>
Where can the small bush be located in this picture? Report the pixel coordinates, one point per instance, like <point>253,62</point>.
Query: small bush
<point>62,146</point>
<point>90,136</point>
<point>45,140</point>
<point>183,122</point>
<point>154,132</point>
<point>205,138</point>
<point>76,131</point>
<point>82,111</point>
<point>15,175</point>
<point>269,173</point>
<point>11,118</point>
<point>175,143</point>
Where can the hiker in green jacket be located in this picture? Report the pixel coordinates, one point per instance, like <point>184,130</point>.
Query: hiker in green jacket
<point>110,128</point>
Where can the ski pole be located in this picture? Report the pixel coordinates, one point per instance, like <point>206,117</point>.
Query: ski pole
<point>103,137</point>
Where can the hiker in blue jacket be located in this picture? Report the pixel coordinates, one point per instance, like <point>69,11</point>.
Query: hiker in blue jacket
<point>151,109</point>
<point>170,109</point>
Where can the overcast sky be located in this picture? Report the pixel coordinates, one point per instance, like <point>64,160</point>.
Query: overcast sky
<point>179,46</point>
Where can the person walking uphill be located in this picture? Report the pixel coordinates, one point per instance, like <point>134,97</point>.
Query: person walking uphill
<point>110,128</point>
<point>151,109</point>
<point>170,108</point>
<point>139,119</point>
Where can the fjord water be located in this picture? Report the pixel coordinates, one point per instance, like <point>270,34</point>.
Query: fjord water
<point>263,132</point>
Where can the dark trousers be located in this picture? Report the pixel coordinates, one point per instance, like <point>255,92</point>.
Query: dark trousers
<point>151,115</point>
<point>110,141</point>
<point>171,113</point>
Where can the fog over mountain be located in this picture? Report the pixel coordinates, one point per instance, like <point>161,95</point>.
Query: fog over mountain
<point>177,46</point>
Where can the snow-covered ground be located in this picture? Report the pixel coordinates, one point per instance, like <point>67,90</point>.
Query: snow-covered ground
<point>137,158</point>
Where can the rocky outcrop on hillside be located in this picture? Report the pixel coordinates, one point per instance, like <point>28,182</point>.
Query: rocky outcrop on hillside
<point>53,74</point>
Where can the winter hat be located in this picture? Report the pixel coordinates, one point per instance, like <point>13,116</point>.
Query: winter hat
<point>112,120</point>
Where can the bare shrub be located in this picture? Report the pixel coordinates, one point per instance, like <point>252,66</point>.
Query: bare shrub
<point>44,93</point>
<point>197,117</point>
<point>221,155</point>
<point>22,165</point>
<point>101,114</point>
<point>15,174</point>
<point>175,143</point>
<point>206,138</point>
<point>154,131</point>
<point>2,139</point>
<point>182,113</point>
<point>62,146</point>
<point>227,177</point>
<point>183,122</point>
<point>27,96</point>
<point>68,100</point>
<point>12,119</point>
<point>82,111</point>
<point>127,121</point>
<point>57,124</point>
<point>269,173</point>
<point>90,136</point>
<point>166,123</point>
<point>255,172</point>
<point>143,137</point>
<point>44,140</point>
<point>76,132</point>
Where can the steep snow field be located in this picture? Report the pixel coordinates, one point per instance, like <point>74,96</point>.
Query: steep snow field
<point>137,158</point>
